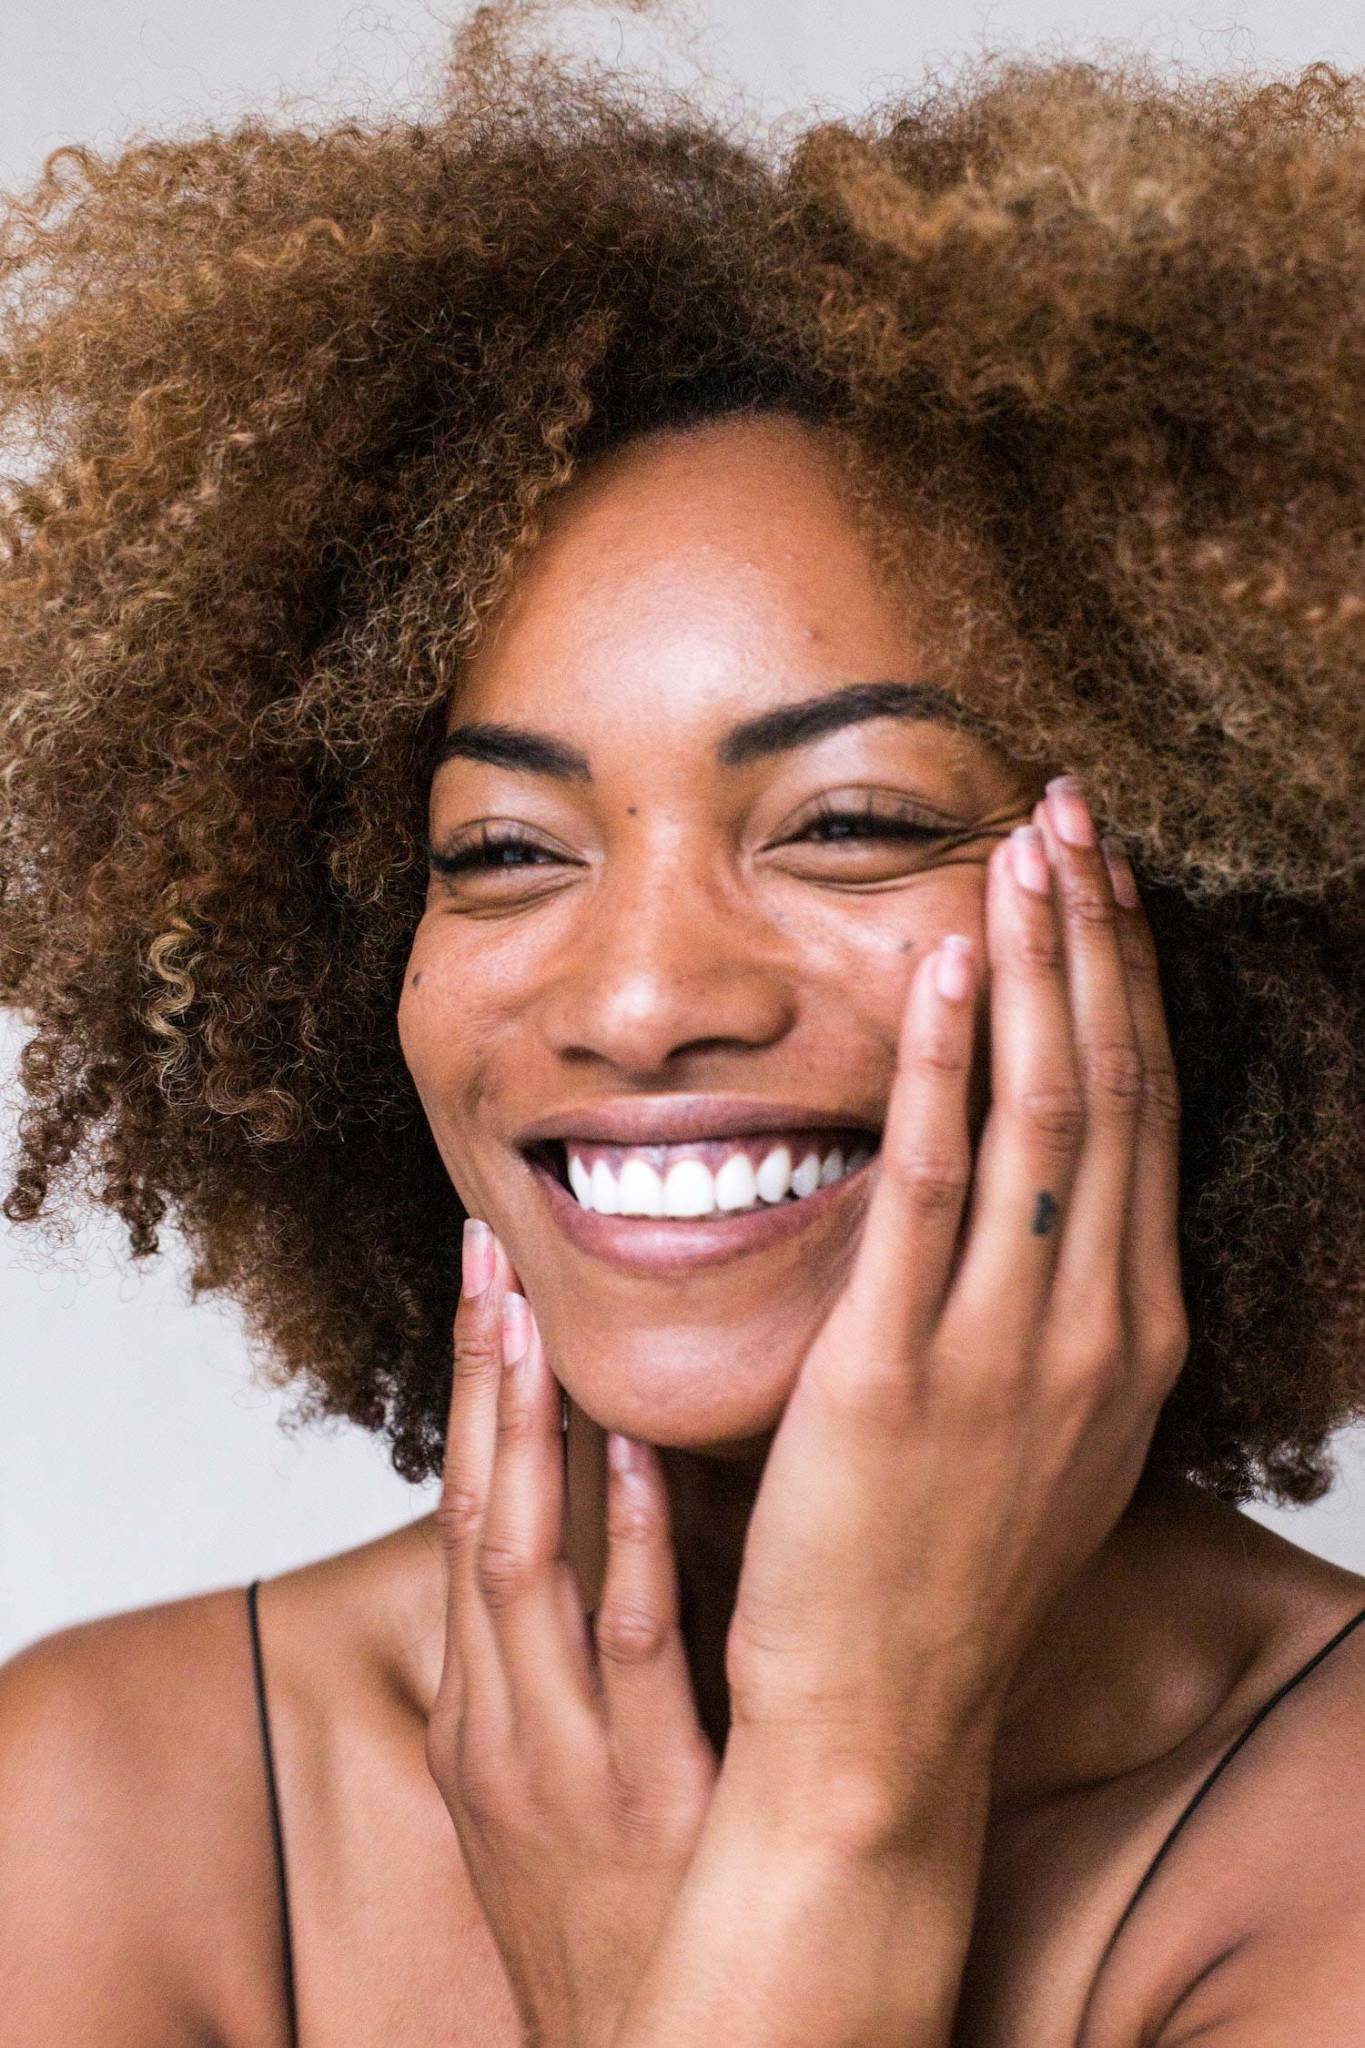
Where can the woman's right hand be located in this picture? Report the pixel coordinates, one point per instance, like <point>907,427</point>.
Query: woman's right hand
<point>578,1780</point>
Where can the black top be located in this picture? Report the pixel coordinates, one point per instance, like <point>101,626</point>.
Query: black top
<point>277,1828</point>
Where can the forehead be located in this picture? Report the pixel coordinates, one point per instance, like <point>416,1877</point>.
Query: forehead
<point>740,532</point>
<point>693,577</point>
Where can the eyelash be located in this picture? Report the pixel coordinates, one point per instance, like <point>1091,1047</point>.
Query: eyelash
<point>479,854</point>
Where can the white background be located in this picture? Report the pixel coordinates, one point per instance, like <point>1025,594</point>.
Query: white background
<point>138,1459</point>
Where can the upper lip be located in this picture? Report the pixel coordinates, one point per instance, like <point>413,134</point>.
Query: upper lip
<point>680,1119</point>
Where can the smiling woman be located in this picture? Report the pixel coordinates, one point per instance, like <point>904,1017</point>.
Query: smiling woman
<point>722,886</point>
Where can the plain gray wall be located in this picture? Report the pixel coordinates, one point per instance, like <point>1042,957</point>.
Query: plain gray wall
<point>138,1459</point>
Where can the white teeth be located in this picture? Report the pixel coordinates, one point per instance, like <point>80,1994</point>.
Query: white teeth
<point>774,1175</point>
<point>690,1188</point>
<point>736,1183</point>
<point>642,1192</point>
<point>606,1197</point>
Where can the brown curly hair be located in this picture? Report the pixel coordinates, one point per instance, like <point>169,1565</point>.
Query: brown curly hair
<point>285,406</point>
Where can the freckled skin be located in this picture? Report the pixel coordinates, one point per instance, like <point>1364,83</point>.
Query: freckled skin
<point>683,583</point>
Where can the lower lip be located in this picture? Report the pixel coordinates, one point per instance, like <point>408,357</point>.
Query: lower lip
<point>657,1245</point>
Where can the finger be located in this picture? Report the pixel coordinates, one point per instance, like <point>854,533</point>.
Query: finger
<point>1089,1276</point>
<point>1026,1159</point>
<point>656,1734</point>
<point>522,1568</point>
<point>1152,1277</point>
<point>471,1437</point>
<point>914,1213</point>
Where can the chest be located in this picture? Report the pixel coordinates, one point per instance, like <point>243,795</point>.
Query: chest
<point>392,1948</point>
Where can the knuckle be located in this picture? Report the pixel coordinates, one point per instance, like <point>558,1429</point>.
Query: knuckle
<point>463,1765</point>
<point>1038,949</point>
<point>1167,1345</point>
<point>458,1512</point>
<point>629,1631</point>
<point>478,1352</point>
<point>1054,1112</point>
<point>1080,1374</point>
<point>655,1799</point>
<point>937,1052</point>
<point>504,1570</point>
<point>636,1807</point>
<point>1113,1074</point>
<point>1161,1096</point>
<point>1139,956</point>
<point>516,1419</point>
<point>1088,908</point>
<point>931,1182</point>
<point>479,1787</point>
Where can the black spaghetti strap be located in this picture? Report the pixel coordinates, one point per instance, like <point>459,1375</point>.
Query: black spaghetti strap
<point>276,1825</point>
<point>1216,1772</point>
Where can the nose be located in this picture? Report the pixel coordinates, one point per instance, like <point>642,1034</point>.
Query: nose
<point>670,958</point>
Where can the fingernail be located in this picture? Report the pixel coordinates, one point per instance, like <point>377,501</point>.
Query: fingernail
<point>952,973</point>
<point>476,1256</point>
<point>1028,856</point>
<point>1068,812</point>
<point>1120,873</point>
<point>516,1327</point>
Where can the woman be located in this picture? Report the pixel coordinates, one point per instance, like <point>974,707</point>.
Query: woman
<point>562,674</point>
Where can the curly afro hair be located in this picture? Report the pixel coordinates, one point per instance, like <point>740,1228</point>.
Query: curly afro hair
<point>285,406</point>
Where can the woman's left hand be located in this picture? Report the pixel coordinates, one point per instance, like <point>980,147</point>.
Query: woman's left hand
<point>975,1412</point>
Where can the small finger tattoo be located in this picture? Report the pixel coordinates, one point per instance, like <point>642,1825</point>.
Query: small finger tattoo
<point>1045,1215</point>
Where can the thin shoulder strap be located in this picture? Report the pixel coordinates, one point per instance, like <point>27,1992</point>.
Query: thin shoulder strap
<point>1294,1679</point>
<point>276,1824</point>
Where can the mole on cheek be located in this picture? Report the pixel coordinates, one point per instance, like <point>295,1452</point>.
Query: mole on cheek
<point>417,979</point>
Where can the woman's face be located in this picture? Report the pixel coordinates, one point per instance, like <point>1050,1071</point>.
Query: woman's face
<point>678,935</point>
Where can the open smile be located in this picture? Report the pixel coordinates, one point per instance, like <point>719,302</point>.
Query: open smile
<point>662,1245</point>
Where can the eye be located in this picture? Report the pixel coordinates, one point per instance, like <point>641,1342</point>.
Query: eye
<point>835,824</point>
<point>494,847</point>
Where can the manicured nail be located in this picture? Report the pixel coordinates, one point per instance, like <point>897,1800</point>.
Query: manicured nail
<point>623,1455</point>
<point>1120,873</point>
<point>476,1256</point>
<point>1069,813</point>
<point>1028,856</point>
<point>516,1327</point>
<point>952,971</point>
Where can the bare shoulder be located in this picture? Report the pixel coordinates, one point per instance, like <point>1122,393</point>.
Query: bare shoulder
<point>134,1849</point>
<point>1284,1952</point>
<point>1251,1929</point>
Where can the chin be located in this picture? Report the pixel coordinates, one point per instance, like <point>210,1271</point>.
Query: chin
<point>681,1392</point>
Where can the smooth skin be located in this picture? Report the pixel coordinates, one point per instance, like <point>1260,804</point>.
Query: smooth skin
<point>934,1490</point>
<point>965,1431</point>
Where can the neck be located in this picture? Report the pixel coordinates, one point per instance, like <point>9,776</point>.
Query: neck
<point>1131,1658</point>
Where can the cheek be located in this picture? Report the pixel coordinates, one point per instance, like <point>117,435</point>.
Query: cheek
<point>436,1020</point>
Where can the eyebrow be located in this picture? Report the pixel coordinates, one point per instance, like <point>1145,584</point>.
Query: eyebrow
<point>778,731</point>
